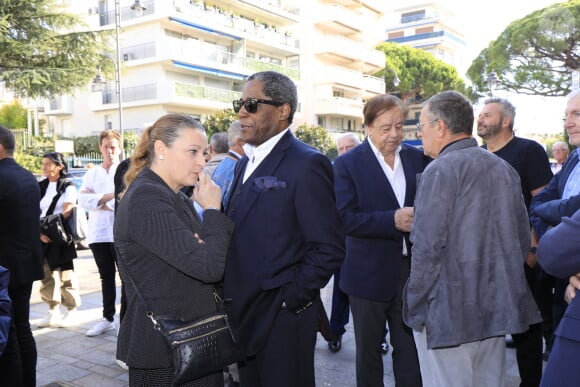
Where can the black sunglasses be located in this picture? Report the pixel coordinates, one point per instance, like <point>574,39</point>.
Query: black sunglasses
<point>251,104</point>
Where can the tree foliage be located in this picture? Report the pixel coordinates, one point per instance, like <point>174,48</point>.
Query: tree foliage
<point>420,74</point>
<point>218,121</point>
<point>533,55</point>
<point>317,137</point>
<point>13,116</point>
<point>42,52</point>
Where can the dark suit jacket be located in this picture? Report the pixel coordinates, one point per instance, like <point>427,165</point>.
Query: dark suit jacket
<point>20,248</point>
<point>153,232</point>
<point>559,255</point>
<point>367,204</point>
<point>548,207</point>
<point>287,241</point>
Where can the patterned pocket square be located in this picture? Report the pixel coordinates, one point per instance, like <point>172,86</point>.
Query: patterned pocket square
<point>268,183</point>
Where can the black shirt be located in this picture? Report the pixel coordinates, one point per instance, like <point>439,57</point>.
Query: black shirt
<point>530,161</point>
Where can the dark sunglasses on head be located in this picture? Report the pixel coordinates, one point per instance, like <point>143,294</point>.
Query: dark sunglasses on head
<point>251,104</point>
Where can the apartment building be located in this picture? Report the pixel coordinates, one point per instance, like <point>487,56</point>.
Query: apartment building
<point>430,27</point>
<point>339,59</point>
<point>193,56</point>
<point>182,56</point>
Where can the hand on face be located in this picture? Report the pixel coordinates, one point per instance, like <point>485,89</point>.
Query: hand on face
<point>207,193</point>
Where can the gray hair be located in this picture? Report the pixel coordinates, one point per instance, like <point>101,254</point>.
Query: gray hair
<point>7,140</point>
<point>452,108</point>
<point>234,132</point>
<point>573,94</point>
<point>344,136</point>
<point>507,109</point>
<point>280,88</point>
<point>219,142</point>
<point>561,144</point>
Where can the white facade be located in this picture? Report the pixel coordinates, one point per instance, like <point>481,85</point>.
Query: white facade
<point>339,58</point>
<point>184,56</point>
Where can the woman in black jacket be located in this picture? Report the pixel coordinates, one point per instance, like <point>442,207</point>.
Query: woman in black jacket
<point>60,284</point>
<point>173,257</point>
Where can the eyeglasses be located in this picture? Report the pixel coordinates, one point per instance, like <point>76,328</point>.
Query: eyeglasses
<point>421,124</point>
<point>251,104</point>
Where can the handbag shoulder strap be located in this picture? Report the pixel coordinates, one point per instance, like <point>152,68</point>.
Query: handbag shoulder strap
<point>137,292</point>
<point>61,187</point>
<point>150,314</point>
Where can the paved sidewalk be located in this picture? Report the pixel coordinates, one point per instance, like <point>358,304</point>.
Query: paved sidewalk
<point>67,357</point>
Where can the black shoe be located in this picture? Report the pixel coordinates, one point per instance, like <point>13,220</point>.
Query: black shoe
<point>384,347</point>
<point>335,345</point>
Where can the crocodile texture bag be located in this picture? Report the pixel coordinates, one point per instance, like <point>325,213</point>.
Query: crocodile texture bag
<point>198,348</point>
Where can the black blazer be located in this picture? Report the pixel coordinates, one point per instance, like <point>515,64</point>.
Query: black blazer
<point>20,249</point>
<point>288,240</point>
<point>367,204</point>
<point>153,232</point>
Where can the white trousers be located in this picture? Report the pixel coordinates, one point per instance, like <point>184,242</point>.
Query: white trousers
<point>476,364</point>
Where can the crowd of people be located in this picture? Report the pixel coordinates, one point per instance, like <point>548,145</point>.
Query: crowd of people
<point>452,246</point>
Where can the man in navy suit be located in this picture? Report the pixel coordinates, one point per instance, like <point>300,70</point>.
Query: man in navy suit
<point>375,187</point>
<point>561,197</point>
<point>287,240</point>
<point>559,255</point>
<point>21,253</point>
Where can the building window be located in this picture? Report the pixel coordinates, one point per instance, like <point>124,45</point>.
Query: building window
<point>413,16</point>
<point>108,122</point>
<point>424,30</point>
<point>395,35</point>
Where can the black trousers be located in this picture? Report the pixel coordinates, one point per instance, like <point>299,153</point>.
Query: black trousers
<point>529,343</point>
<point>339,314</point>
<point>105,258</point>
<point>369,318</point>
<point>287,360</point>
<point>18,363</point>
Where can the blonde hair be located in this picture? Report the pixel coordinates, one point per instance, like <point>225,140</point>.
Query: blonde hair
<point>166,129</point>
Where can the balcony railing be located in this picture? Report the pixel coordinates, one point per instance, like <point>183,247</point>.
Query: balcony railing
<point>205,93</point>
<point>257,65</point>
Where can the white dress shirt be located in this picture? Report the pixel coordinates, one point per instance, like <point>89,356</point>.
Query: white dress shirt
<point>395,176</point>
<point>99,182</point>
<point>257,154</point>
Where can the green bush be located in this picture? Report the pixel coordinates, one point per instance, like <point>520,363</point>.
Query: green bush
<point>30,162</point>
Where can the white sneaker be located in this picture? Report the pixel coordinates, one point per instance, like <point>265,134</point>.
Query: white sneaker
<point>122,364</point>
<point>102,326</point>
<point>69,319</point>
<point>50,319</point>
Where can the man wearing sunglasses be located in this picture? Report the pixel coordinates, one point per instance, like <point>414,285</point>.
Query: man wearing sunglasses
<point>287,241</point>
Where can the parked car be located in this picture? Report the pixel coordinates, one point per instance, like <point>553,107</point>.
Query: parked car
<point>76,175</point>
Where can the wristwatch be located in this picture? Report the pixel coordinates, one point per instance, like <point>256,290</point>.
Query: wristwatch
<point>533,250</point>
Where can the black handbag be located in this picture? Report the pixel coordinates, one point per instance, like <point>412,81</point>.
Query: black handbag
<point>54,225</point>
<point>197,348</point>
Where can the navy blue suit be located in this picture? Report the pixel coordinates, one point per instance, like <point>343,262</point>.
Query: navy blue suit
<point>559,255</point>
<point>286,244</point>
<point>21,253</point>
<point>375,270</point>
<point>546,210</point>
<point>367,204</point>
